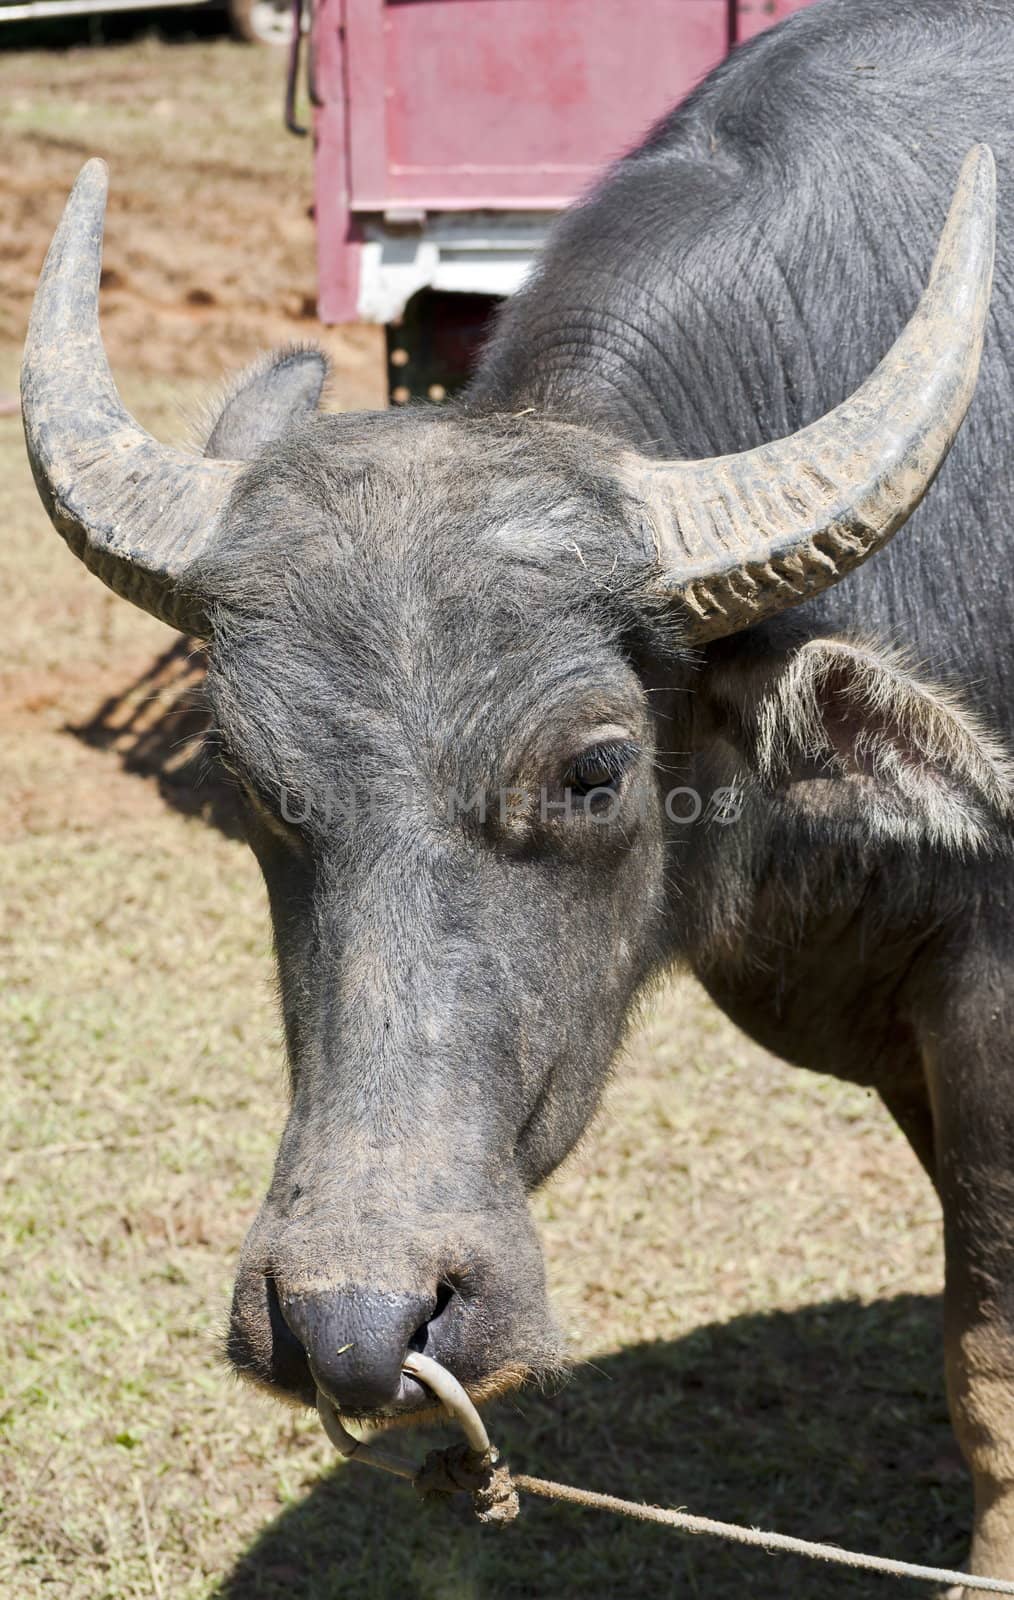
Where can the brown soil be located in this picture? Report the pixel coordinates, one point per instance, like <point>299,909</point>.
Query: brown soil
<point>210,238</point>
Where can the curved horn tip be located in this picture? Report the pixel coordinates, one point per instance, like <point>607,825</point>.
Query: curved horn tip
<point>973,202</point>
<point>979,169</point>
<point>90,189</point>
<point>96,170</point>
<point>855,474</point>
<point>72,264</point>
<point>137,513</point>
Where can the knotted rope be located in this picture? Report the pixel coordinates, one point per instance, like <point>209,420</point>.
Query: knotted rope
<point>470,1468</point>
<point>474,1468</point>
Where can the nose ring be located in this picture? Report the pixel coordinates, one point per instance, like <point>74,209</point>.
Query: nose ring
<point>471,1467</point>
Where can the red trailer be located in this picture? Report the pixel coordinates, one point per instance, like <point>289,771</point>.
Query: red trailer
<point>449,132</point>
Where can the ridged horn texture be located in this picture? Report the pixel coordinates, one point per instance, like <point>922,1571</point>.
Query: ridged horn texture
<point>745,536</point>
<point>137,513</point>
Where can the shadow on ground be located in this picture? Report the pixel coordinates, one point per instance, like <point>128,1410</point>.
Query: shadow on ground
<point>828,1422</point>
<point>157,728</point>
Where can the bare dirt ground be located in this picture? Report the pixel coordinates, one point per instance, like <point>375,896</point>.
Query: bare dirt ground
<point>209,238</point>
<point>746,1256</point>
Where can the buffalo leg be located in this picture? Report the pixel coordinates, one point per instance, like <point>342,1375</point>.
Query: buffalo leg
<point>969,1058</point>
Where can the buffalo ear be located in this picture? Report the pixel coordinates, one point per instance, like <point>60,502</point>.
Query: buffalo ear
<point>845,733</point>
<point>275,394</point>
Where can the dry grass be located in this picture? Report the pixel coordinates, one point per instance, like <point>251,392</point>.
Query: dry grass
<point>747,1256</point>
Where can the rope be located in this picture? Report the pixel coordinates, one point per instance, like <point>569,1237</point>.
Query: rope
<point>474,1468</point>
<point>687,1523</point>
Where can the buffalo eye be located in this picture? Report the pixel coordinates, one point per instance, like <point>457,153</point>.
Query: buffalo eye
<point>596,775</point>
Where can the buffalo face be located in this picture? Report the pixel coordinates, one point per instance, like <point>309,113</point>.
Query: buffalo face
<point>429,685</point>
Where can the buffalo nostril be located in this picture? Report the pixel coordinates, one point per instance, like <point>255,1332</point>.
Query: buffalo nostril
<point>421,1338</point>
<point>281,1334</point>
<point>283,1363</point>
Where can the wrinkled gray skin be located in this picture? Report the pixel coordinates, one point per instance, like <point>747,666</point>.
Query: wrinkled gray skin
<point>424,603</point>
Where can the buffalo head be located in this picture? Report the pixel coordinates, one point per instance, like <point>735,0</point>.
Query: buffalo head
<point>442,648</point>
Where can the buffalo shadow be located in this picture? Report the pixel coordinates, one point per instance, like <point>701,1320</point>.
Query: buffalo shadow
<point>157,726</point>
<point>828,1422</point>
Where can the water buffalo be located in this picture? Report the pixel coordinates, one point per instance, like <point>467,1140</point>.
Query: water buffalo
<point>631,559</point>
